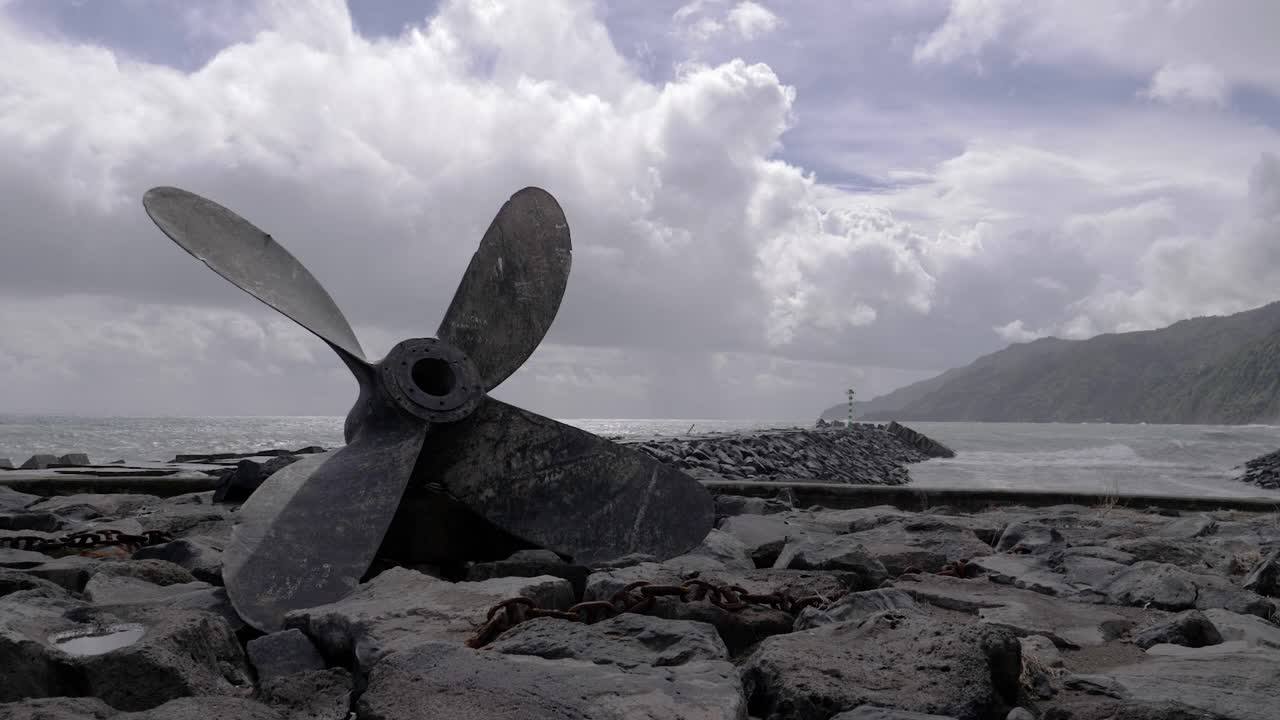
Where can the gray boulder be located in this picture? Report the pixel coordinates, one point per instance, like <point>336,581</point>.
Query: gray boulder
<point>1264,579</point>
<point>201,556</point>
<point>904,661</point>
<point>282,653</point>
<point>403,608</point>
<point>447,680</point>
<point>1229,679</point>
<point>58,708</point>
<point>839,553</point>
<point>1190,629</point>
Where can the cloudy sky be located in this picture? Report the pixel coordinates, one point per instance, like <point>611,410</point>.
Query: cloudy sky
<point>770,201</point>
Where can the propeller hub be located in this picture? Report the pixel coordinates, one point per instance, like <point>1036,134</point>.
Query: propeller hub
<point>431,379</point>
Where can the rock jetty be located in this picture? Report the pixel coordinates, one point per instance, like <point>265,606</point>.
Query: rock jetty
<point>1063,613</point>
<point>1263,471</point>
<point>863,454</point>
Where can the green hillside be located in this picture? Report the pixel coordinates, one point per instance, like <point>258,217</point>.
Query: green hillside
<point>1203,370</point>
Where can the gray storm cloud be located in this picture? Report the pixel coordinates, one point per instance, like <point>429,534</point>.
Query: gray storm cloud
<point>714,274</point>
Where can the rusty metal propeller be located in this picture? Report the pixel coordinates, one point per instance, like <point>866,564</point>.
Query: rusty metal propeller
<point>309,534</point>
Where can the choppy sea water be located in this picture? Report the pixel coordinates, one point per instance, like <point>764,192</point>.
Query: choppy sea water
<point>1092,458</point>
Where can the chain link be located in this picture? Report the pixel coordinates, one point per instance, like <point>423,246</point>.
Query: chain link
<point>640,597</point>
<point>84,542</point>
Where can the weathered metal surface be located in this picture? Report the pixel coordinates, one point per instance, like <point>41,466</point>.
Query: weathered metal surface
<point>307,536</point>
<point>511,291</point>
<point>566,489</point>
<point>254,262</point>
<point>309,533</point>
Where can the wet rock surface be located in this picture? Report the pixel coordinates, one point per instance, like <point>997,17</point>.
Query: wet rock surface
<point>1066,613</point>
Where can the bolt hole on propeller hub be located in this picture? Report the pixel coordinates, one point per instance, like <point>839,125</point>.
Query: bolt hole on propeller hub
<point>432,380</point>
<point>423,418</point>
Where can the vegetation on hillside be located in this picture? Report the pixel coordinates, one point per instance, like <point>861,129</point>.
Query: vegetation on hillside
<point>1207,370</point>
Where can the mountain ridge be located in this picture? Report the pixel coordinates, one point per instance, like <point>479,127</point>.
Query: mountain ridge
<point>1202,370</point>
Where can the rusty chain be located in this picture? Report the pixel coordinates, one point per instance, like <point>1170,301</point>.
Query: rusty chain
<point>640,597</point>
<point>84,542</point>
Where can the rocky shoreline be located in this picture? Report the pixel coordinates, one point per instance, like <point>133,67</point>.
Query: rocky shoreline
<point>1063,613</point>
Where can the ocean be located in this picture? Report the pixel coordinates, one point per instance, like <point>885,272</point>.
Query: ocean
<point>1092,457</point>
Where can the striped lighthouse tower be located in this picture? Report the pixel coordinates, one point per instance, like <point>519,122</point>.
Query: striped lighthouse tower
<point>850,425</point>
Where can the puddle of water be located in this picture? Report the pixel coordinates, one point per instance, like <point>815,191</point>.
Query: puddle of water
<point>97,640</point>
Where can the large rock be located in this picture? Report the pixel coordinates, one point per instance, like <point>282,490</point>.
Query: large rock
<point>38,521</point>
<point>1168,587</point>
<point>402,608</point>
<point>133,659</point>
<point>283,653</point>
<point>532,563</point>
<point>310,694</point>
<point>857,606</point>
<point>447,680</point>
<point>12,501</point>
<point>927,543</point>
<point>206,708</point>
<point>39,462</point>
<point>157,572</point>
<point>902,661</point>
<point>88,506</point>
<point>201,556</point>
<point>58,708</point>
<point>1069,624</point>
<point>840,553</point>
<point>1026,537</point>
<point>1249,629</point>
<point>1190,629</point>
<point>118,591</point>
<point>629,640</point>
<point>1229,679</point>
<point>1264,578</point>
<point>871,712</point>
<point>247,476</point>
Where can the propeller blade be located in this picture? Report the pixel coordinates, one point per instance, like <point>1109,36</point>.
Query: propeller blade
<point>511,291</point>
<point>308,535</point>
<point>565,489</point>
<point>253,261</point>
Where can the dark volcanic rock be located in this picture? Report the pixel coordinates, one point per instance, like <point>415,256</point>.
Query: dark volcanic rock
<point>438,680</point>
<point>38,521</point>
<point>1026,537</point>
<point>841,553</point>
<point>310,694</point>
<point>628,640</point>
<point>402,608</point>
<point>6,463</point>
<point>248,474</point>
<point>857,606</point>
<point>175,653</point>
<point>12,501</point>
<point>39,462</point>
<point>1169,587</point>
<point>532,563</point>
<point>871,712</point>
<point>1264,579</point>
<point>283,653</point>
<point>58,708</point>
<point>201,556</point>
<point>902,661</point>
<point>1190,629</point>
